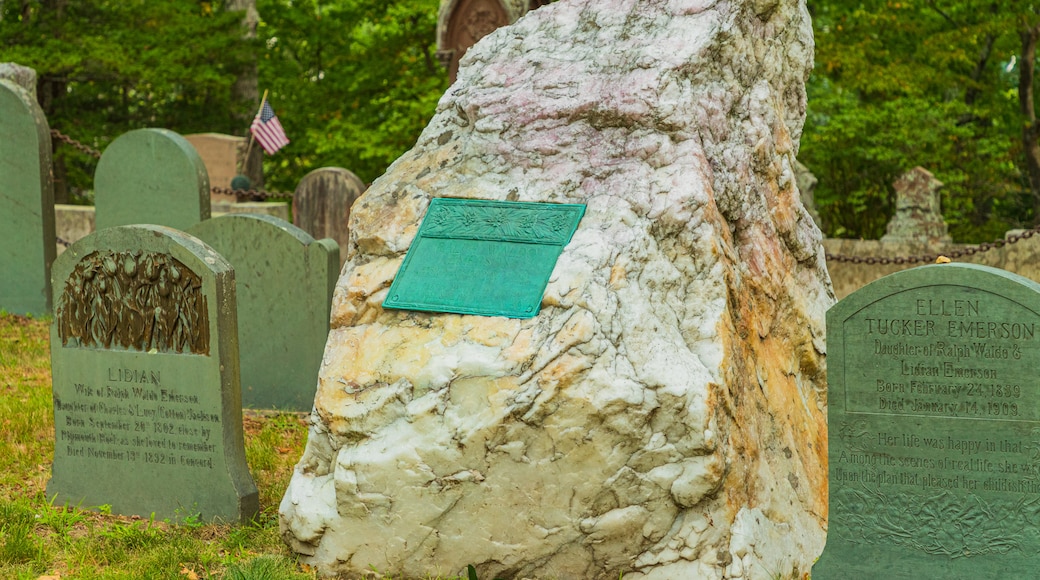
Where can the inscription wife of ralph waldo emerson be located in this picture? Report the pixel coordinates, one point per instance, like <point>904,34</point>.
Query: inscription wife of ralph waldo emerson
<point>934,426</point>
<point>147,402</point>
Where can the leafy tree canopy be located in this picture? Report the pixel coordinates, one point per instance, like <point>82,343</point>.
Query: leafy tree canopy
<point>353,81</point>
<point>904,83</point>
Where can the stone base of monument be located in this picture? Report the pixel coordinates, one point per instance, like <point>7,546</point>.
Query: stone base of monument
<point>661,415</point>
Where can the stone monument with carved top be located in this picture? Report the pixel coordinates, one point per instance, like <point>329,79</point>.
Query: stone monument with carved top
<point>461,23</point>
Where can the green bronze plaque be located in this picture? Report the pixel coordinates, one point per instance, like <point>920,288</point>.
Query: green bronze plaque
<point>490,258</point>
<point>934,427</point>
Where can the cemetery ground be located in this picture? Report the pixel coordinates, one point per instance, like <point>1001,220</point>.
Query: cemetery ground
<point>42,540</point>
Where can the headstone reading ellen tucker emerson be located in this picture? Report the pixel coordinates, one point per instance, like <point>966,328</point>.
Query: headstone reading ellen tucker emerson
<point>490,258</point>
<point>144,355</point>
<point>934,427</point>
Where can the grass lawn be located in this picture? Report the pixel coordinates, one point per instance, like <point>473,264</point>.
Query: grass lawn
<point>43,541</point>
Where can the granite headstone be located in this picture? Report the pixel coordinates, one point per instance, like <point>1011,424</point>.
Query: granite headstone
<point>151,176</point>
<point>934,427</point>
<point>26,203</point>
<point>144,355</point>
<point>284,281</point>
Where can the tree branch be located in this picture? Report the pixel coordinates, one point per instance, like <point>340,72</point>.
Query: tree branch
<point>1030,142</point>
<point>935,6</point>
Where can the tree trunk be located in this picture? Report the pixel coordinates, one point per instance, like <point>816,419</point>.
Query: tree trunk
<point>246,94</point>
<point>50,89</point>
<point>1030,131</point>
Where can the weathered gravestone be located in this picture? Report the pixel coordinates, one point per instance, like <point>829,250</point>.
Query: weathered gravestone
<point>144,355</point>
<point>918,216</point>
<point>151,176</point>
<point>934,421</point>
<point>221,154</point>
<point>461,23</point>
<point>26,203</point>
<point>284,281</point>
<point>321,204</point>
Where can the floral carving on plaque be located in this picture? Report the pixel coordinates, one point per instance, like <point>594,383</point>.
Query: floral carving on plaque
<point>941,523</point>
<point>508,223</point>
<point>134,300</point>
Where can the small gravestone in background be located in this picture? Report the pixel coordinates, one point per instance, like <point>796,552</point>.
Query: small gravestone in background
<point>151,176</point>
<point>934,422</point>
<point>144,354</point>
<point>220,155</point>
<point>918,216</point>
<point>321,204</point>
<point>26,203</point>
<point>285,281</point>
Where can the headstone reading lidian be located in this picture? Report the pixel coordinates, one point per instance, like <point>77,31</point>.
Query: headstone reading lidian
<point>321,204</point>
<point>144,355</point>
<point>151,176</point>
<point>26,204</point>
<point>284,281</point>
<point>934,422</point>
<point>491,258</point>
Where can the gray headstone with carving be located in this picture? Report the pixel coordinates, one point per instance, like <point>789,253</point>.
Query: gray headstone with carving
<point>144,355</point>
<point>151,176</point>
<point>934,427</point>
<point>26,203</point>
<point>285,281</point>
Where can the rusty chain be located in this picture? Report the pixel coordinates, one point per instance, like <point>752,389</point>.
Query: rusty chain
<point>250,194</point>
<point>241,194</point>
<point>76,144</point>
<point>259,195</point>
<point>953,254</point>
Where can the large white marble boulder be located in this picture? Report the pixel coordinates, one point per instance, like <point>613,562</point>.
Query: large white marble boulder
<point>663,416</point>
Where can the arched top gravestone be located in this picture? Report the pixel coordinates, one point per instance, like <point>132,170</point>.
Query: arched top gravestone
<point>26,204</point>
<point>144,355</point>
<point>934,427</point>
<point>284,281</point>
<point>321,204</point>
<point>151,176</point>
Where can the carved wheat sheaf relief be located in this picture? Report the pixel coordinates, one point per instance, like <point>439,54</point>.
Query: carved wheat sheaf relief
<point>134,300</point>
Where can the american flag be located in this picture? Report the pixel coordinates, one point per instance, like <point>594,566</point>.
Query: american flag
<point>268,130</point>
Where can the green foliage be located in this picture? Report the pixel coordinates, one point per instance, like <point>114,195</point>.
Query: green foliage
<point>353,82</point>
<point>902,84</point>
<point>106,67</point>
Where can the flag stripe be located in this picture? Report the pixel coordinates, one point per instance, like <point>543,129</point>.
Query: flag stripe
<point>268,131</point>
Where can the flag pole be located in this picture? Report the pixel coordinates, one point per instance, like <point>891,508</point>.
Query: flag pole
<point>249,148</point>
